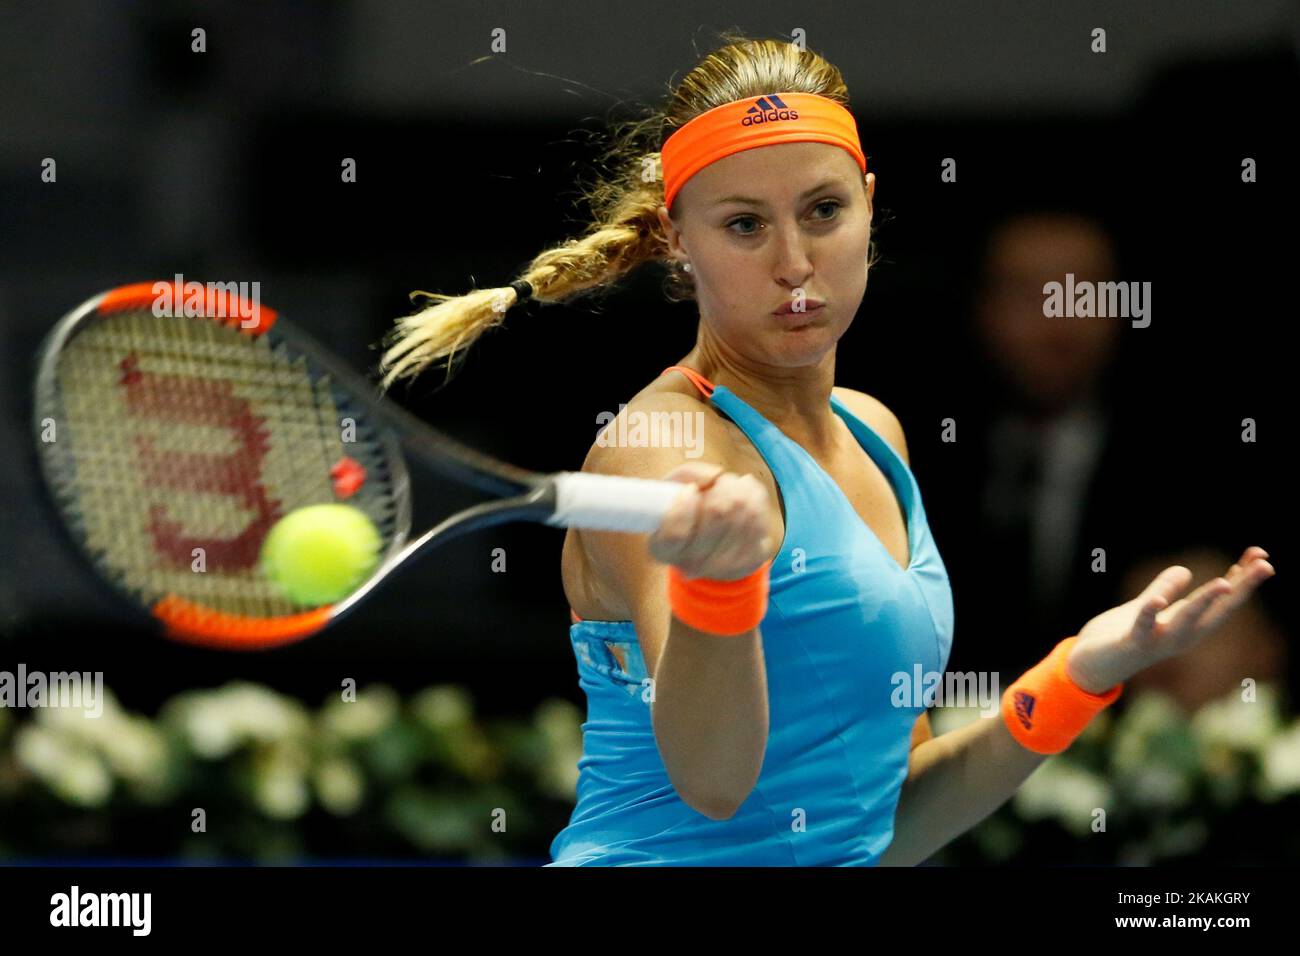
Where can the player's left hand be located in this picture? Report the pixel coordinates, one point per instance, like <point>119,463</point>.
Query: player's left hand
<point>1119,643</point>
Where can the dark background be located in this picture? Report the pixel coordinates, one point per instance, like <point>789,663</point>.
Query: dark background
<point>225,165</point>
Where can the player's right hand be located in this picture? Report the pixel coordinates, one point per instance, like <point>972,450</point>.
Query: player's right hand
<point>716,528</point>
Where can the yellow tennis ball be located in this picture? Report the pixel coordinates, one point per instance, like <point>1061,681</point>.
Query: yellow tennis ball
<point>319,554</point>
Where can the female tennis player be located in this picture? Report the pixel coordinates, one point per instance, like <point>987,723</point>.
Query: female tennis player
<point>740,663</point>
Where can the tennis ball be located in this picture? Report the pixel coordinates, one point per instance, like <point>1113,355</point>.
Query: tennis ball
<point>319,554</point>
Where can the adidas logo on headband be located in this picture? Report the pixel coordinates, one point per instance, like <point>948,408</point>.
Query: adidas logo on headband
<point>768,109</point>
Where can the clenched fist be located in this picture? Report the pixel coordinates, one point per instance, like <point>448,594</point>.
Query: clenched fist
<point>717,528</point>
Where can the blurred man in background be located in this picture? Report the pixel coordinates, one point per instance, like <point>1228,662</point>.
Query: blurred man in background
<point>1082,492</point>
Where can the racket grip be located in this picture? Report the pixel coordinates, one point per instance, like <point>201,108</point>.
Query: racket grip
<point>611,502</point>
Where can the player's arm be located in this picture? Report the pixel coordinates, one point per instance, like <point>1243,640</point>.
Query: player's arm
<point>921,731</point>
<point>709,707</point>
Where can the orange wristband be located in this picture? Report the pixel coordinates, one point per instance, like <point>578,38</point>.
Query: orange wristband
<point>1045,710</point>
<point>725,608</point>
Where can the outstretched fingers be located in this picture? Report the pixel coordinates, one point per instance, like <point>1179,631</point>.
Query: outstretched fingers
<point>1158,595</point>
<point>1185,616</point>
<point>1145,623</point>
<point>1243,577</point>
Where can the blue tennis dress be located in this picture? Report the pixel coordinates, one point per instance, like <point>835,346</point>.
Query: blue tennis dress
<point>843,619</point>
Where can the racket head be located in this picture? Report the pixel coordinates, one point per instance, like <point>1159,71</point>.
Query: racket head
<point>175,423</point>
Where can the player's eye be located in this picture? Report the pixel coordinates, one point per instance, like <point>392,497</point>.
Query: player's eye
<point>740,220</point>
<point>835,205</point>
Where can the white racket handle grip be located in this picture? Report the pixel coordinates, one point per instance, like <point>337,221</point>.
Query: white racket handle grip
<point>611,502</point>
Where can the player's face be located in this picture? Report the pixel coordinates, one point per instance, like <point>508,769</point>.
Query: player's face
<point>783,225</point>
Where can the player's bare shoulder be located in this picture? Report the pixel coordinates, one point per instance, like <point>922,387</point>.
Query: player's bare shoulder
<point>667,423</point>
<point>877,415</point>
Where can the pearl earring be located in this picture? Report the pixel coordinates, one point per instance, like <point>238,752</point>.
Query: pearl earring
<point>687,267</point>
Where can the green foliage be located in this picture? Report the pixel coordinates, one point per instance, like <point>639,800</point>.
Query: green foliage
<point>427,778</point>
<point>1221,785</point>
<point>277,781</point>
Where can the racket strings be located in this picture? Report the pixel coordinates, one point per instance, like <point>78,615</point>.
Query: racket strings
<point>183,440</point>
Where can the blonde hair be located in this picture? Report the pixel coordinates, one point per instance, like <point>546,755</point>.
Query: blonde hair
<point>624,198</point>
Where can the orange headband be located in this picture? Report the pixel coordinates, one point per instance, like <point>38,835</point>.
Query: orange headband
<point>750,123</point>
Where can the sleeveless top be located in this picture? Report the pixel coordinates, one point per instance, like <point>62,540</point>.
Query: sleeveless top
<point>848,639</point>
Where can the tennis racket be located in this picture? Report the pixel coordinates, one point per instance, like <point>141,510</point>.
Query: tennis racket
<point>177,422</point>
